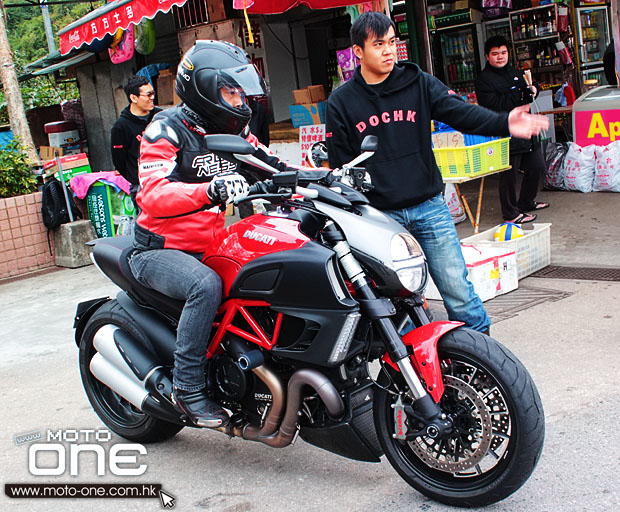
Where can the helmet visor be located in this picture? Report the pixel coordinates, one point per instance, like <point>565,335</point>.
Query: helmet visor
<point>245,77</point>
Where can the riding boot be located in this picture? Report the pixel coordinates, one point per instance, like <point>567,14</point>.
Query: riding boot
<point>201,411</point>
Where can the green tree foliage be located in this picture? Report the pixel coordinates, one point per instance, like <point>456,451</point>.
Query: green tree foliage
<point>26,30</point>
<point>16,177</point>
<point>28,42</point>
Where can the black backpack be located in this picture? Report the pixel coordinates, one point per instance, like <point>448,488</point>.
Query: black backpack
<point>54,207</point>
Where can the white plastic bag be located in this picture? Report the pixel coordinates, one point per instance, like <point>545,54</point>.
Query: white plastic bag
<point>607,168</point>
<point>579,168</point>
<point>454,205</point>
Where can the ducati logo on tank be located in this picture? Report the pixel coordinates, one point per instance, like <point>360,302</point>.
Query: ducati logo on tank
<point>259,237</point>
<point>210,165</point>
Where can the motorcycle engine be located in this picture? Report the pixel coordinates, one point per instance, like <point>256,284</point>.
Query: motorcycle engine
<point>234,386</point>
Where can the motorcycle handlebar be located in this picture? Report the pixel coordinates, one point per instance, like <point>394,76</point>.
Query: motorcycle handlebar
<point>302,191</point>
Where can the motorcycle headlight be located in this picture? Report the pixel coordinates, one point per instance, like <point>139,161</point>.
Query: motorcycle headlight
<point>408,262</point>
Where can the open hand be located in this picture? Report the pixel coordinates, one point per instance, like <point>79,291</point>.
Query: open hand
<point>524,125</point>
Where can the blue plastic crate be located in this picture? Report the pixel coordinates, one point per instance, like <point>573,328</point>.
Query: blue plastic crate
<point>472,140</point>
<point>442,127</point>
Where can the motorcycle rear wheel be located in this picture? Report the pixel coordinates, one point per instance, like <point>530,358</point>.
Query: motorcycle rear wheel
<point>498,418</point>
<point>118,414</point>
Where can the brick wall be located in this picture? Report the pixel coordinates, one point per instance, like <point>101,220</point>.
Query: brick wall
<point>23,237</point>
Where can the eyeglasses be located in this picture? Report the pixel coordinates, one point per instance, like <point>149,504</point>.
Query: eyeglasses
<point>150,94</point>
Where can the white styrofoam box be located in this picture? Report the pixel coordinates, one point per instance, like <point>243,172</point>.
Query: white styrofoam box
<point>492,271</point>
<point>287,151</point>
<point>59,138</point>
<point>533,249</point>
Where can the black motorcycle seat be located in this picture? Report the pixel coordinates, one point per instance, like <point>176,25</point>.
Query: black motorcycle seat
<point>111,256</point>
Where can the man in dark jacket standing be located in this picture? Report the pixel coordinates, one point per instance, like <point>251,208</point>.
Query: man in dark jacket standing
<point>501,87</point>
<point>127,131</point>
<point>396,102</point>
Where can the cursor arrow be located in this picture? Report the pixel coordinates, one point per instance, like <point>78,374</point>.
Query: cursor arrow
<point>167,500</point>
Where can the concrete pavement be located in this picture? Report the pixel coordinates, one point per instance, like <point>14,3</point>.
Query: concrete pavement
<point>565,332</point>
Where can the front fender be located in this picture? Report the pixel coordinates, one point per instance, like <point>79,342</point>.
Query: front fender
<point>425,360</point>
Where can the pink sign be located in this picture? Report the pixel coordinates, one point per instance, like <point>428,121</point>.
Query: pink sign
<point>598,127</point>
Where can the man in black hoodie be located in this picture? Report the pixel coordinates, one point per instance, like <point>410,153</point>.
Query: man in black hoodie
<point>127,131</point>
<point>501,87</point>
<point>396,102</point>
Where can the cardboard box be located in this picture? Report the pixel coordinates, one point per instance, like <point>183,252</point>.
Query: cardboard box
<point>301,96</point>
<point>108,210</point>
<point>313,113</point>
<point>50,152</point>
<point>309,94</point>
<point>317,93</point>
<point>60,138</point>
<point>448,140</point>
<point>72,165</point>
<point>492,271</point>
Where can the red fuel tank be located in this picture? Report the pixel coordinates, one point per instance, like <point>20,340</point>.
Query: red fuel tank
<point>249,239</point>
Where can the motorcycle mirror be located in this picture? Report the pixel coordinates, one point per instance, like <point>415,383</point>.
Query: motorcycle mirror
<point>370,143</point>
<point>286,179</point>
<point>229,144</point>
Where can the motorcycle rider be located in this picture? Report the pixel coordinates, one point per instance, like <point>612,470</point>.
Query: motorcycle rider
<point>180,183</point>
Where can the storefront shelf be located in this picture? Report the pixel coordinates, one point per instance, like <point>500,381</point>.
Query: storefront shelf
<point>534,39</point>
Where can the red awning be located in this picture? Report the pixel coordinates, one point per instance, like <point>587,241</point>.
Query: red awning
<point>108,18</point>
<point>279,6</point>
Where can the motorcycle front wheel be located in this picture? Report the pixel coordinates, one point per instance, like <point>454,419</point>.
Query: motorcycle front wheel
<point>498,425</point>
<point>118,414</point>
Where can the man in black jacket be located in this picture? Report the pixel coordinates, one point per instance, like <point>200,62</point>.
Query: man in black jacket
<point>609,64</point>
<point>396,102</point>
<point>501,87</point>
<point>127,131</point>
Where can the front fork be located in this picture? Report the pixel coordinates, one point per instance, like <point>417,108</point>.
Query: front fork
<point>424,407</point>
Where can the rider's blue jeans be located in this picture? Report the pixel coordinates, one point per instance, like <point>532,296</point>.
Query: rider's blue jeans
<point>432,226</point>
<point>182,276</point>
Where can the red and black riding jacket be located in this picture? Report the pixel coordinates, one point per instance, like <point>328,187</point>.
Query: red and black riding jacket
<point>175,170</point>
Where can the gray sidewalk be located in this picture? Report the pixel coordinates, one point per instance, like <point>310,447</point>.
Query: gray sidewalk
<point>585,231</point>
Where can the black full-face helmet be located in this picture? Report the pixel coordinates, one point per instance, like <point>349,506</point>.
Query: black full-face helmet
<point>205,69</point>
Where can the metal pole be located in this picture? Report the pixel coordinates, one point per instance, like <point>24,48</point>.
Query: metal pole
<point>49,32</point>
<point>64,189</point>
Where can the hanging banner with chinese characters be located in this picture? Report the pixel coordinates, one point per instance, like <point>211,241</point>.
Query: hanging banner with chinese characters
<point>308,135</point>
<point>256,49</point>
<point>108,18</point>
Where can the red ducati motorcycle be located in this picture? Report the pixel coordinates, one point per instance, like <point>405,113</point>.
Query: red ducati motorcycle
<point>306,343</point>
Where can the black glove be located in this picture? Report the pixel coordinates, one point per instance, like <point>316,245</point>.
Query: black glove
<point>217,192</point>
<point>330,178</point>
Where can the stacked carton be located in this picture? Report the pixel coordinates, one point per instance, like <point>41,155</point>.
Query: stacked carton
<point>71,165</point>
<point>309,107</point>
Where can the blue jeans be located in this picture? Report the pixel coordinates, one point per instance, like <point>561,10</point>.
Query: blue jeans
<point>182,276</point>
<point>431,224</point>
